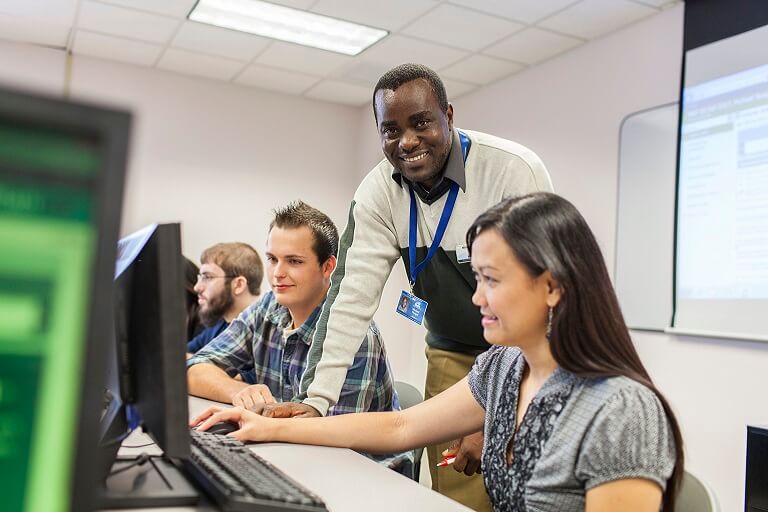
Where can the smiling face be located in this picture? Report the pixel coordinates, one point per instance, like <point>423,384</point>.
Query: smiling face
<point>513,304</point>
<point>296,276</point>
<point>415,132</point>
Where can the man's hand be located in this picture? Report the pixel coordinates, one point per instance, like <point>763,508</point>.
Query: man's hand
<point>254,398</point>
<point>468,451</point>
<point>289,410</point>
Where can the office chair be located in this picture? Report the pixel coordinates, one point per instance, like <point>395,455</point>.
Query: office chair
<point>410,396</point>
<point>696,496</point>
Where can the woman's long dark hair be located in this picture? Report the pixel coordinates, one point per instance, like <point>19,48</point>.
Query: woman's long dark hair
<point>194,326</point>
<point>589,337</point>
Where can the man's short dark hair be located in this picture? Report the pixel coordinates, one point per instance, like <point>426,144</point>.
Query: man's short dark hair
<point>299,213</point>
<point>237,259</point>
<point>405,73</point>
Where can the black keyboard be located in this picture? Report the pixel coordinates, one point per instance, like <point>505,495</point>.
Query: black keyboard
<point>238,480</point>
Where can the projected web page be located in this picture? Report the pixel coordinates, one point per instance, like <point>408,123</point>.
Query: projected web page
<point>723,190</point>
<point>721,245</point>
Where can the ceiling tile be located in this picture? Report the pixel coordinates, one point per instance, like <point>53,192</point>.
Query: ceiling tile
<point>532,45</point>
<point>340,92</point>
<point>115,48</point>
<point>390,15</point>
<point>455,88</point>
<point>293,57</point>
<point>278,80</point>
<point>481,70</point>
<point>53,11</point>
<point>204,38</point>
<point>175,8</point>
<point>109,19</point>
<point>460,27</point>
<point>363,73</point>
<point>27,29</point>
<point>526,11</point>
<point>592,18</point>
<point>199,65</point>
<point>394,50</point>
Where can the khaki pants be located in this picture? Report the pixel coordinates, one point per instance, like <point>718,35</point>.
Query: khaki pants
<point>445,369</point>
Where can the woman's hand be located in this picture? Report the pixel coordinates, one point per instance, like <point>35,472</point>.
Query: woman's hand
<point>252,426</point>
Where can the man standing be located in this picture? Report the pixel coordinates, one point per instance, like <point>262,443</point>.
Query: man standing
<point>417,204</point>
<point>273,335</point>
<point>228,282</point>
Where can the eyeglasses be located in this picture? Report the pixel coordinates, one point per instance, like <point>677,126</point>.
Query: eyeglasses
<point>204,278</point>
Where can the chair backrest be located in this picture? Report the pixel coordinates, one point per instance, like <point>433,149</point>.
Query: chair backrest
<point>409,395</point>
<point>696,496</point>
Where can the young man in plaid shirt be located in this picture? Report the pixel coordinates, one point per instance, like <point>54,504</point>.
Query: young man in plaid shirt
<point>271,338</point>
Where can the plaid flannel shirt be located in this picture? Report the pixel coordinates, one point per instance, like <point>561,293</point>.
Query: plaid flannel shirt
<point>260,345</point>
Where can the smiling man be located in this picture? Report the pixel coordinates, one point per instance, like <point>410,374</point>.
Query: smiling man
<point>435,180</point>
<point>273,336</point>
<point>229,281</point>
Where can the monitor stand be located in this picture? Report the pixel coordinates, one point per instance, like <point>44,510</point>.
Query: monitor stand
<point>152,481</point>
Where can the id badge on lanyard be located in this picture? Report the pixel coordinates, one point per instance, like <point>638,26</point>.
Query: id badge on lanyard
<point>409,305</point>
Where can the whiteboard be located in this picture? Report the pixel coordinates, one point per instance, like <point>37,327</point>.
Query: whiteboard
<point>646,217</point>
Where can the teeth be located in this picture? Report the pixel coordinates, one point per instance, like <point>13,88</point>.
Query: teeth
<point>415,158</point>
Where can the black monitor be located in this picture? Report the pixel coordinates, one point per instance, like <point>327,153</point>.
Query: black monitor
<point>146,374</point>
<point>756,480</point>
<point>62,167</point>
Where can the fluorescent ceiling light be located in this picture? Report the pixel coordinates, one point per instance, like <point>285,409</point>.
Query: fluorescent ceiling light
<point>287,24</point>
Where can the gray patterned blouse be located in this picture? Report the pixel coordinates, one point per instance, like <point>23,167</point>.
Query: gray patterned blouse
<point>576,434</point>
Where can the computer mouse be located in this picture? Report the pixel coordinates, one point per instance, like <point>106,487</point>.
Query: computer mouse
<point>223,428</point>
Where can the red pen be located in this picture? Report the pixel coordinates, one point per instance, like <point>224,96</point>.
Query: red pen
<point>448,459</point>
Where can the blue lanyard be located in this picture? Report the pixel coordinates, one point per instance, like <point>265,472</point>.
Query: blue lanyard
<point>441,226</point>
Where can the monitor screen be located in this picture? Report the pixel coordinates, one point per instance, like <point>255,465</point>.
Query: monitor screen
<point>61,174</point>
<point>150,336</point>
<point>146,373</point>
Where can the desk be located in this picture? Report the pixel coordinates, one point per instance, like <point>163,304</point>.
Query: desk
<point>344,479</point>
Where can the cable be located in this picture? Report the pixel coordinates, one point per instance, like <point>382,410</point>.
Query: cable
<point>138,445</point>
<point>140,460</point>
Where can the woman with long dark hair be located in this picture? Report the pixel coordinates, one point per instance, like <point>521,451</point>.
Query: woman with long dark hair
<point>571,418</point>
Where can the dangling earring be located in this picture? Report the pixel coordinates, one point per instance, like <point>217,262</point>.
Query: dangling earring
<point>548,332</point>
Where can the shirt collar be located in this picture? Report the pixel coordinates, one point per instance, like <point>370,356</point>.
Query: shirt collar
<point>453,169</point>
<point>281,318</point>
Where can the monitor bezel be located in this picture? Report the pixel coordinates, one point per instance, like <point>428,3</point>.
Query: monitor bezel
<point>111,128</point>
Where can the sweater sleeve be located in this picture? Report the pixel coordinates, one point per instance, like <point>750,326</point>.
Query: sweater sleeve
<point>367,251</point>
<point>535,180</point>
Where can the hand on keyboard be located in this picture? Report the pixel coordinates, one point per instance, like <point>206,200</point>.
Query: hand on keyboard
<point>253,427</point>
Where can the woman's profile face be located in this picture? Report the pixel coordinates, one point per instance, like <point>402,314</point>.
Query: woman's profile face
<point>513,304</point>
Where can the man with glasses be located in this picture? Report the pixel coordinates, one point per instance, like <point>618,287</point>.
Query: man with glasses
<point>229,281</point>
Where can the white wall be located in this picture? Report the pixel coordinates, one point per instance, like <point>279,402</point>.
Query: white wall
<point>219,157</point>
<point>31,68</point>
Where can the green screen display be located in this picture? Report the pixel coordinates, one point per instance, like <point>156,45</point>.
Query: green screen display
<point>47,249</point>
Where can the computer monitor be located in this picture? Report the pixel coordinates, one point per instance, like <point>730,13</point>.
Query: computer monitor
<point>62,167</point>
<point>146,374</point>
